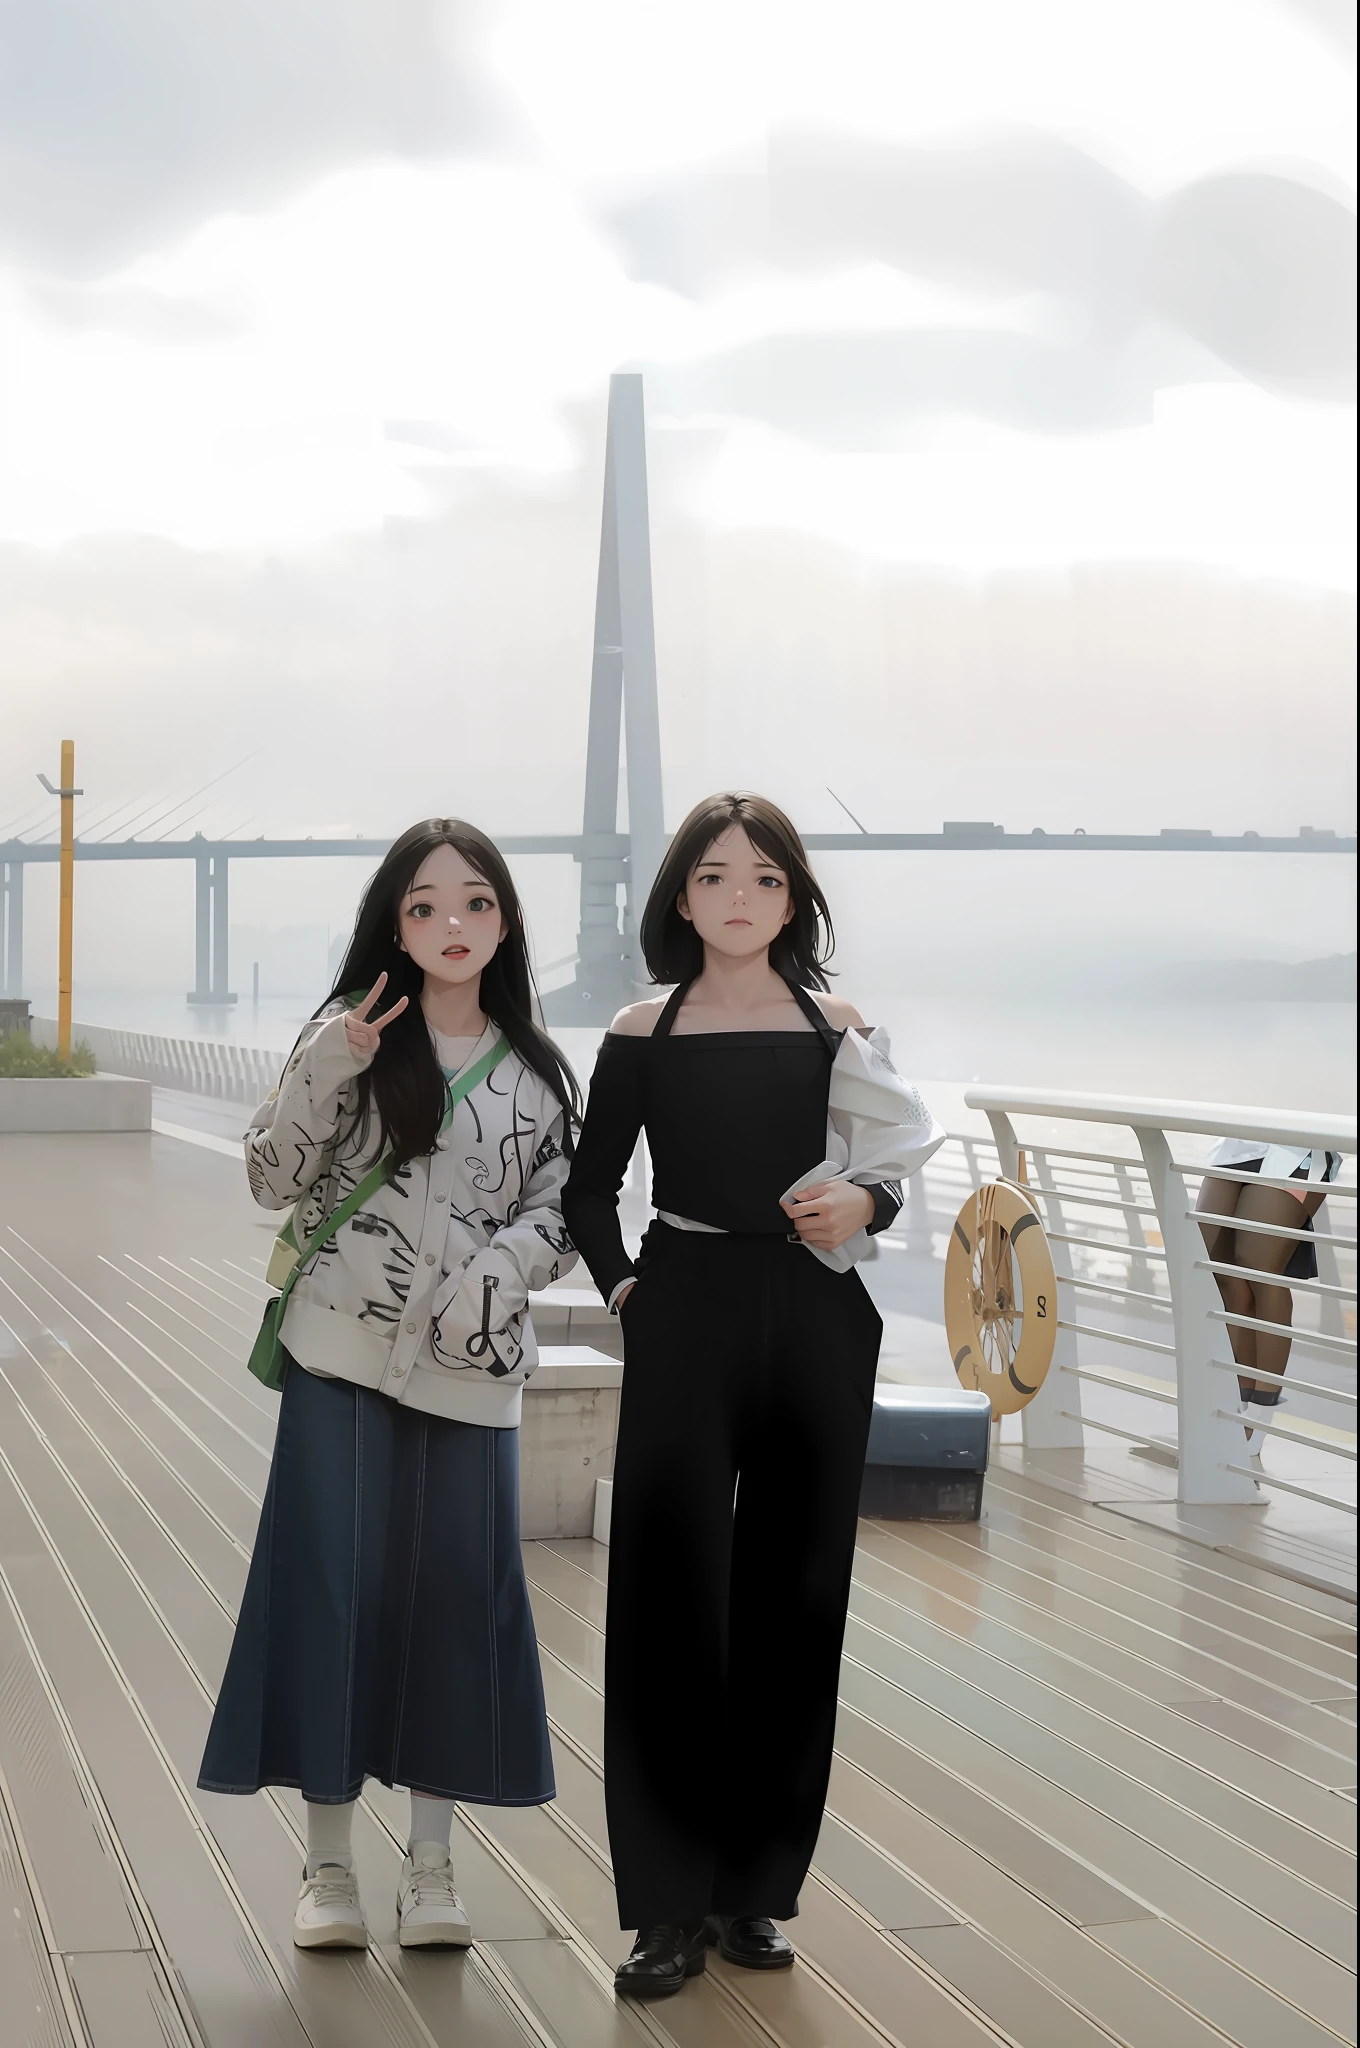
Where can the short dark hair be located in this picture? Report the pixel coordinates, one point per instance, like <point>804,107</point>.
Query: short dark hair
<point>672,947</point>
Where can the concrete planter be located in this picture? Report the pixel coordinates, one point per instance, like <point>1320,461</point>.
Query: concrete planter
<point>568,1425</point>
<point>94,1102</point>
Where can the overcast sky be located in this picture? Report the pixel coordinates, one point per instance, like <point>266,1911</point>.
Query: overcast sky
<point>999,362</point>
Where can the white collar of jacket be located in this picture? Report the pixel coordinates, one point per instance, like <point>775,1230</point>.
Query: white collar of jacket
<point>877,1128</point>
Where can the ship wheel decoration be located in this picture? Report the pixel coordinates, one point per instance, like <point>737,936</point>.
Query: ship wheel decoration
<point>1000,1296</point>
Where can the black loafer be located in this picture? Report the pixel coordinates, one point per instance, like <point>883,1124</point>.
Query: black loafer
<point>755,1943</point>
<point>662,1958</point>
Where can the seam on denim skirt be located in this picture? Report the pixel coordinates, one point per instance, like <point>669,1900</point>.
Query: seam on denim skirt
<point>272,1494</point>
<point>408,1630</point>
<point>492,1439</point>
<point>354,1577</point>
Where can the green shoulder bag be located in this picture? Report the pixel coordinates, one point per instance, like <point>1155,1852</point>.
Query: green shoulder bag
<point>267,1357</point>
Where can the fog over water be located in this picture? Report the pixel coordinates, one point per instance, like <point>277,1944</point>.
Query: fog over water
<point>1134,974</point>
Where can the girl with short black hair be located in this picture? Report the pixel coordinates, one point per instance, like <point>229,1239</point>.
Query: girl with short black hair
<point>751,1347</point>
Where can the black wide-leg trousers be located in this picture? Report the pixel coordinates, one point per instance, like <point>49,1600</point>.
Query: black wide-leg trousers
<point>747,1392</point>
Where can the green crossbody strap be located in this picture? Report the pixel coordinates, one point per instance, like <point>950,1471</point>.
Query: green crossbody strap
<point>461,1085</point>
<point>266,1359</point>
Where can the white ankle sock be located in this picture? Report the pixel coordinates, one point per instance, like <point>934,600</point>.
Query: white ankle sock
<point>328,1829</point>
<point>431,1826</point>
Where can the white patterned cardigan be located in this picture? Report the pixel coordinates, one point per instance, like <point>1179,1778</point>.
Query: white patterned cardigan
<point>423,1293</point>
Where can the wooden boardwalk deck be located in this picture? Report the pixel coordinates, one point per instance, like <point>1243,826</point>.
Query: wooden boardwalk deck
<point>1093,1783</point>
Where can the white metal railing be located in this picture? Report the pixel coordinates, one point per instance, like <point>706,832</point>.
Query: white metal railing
<point>197,1066</point>
<point>1133,1219</point>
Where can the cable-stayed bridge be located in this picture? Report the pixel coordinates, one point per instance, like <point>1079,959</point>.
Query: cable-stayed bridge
<point>617,867</point>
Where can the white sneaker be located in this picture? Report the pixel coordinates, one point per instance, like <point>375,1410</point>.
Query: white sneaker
<point>328,1913</point>
<point>1256,1412</point>
<point>432,1914</point>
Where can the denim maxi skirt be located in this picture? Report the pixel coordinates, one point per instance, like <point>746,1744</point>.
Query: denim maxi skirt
<point>385,1630</point>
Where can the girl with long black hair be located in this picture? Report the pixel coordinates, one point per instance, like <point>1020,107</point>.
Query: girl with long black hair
<point>750,1350</point>
<point>385,1630</point>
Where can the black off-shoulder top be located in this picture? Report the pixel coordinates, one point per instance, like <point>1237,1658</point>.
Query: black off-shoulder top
<point>732,1119</point>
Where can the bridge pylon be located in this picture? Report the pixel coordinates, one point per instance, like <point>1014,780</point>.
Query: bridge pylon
<point>623,706</point>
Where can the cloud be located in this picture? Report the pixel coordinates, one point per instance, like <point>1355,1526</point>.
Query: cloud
<point>444,664</point>
<point>866,392</point>
<point>1262,270</point>
<point>1250,271</point>
<point>1333,19</point>
<point>122,126</point>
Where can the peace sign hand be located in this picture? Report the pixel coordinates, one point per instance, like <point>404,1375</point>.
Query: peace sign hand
<point>362,1032</point>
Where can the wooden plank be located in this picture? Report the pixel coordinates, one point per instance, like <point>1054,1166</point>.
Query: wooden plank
<point>1272,1740</point>
<point>581,1601</point>
<point>235,1992</point>
<point>1248,2013</point>
<point>847,1945</point>
<point>123,2001</point>
<point>1035,1935</point>
<point>880,1589</point>
<point>909,2006</point>
<point>364,2010</point>
<point>1327,1605</point>
<point>1092,1614</point>
<point>80,1323</point>
<point>1018,2002</point>
<point>1298,1542</point>
<point>1113,1799</point>
<point>572,1638</point>
<point>75,1871</point>
<point>570,1996</point>
<point>192,1336</point>
<point>881,1887</point>
<point>1008,1796</point>
<point>1177,1564</point>
<point>1080,1889</point>
<point>582,1551</point>
<point>886,1892</point>
<point>1295,1847</point>
<point>576,1590</point>
<point>901,1606</point>
<point>911,1684</point>
<point>378,2005</point>
<point>1296,1667</point>
<point>201,1626</point>
<point>1047,1869</point>
<point>231,1501</point>
<point>1159,1669</point>
<point>34,2016</point>
<point>1074,1714</point>
<point>1111,1565</point>
<point>471,2015</point>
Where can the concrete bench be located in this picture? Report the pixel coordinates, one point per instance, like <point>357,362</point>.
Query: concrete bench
<point>93,1102</point>
<point>568,1426</point>
<point>575,1315</point>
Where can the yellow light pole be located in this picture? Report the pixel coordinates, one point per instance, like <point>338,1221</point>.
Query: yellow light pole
<point>68,793</point>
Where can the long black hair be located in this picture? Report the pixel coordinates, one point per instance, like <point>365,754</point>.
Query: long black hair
<point>672,947</point>
<point>405,1085</point>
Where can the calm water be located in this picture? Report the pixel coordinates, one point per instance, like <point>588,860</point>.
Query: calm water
<point>1294,1055</point>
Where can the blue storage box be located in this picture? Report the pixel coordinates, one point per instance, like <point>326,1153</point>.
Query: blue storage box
<point>927,1454</point>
